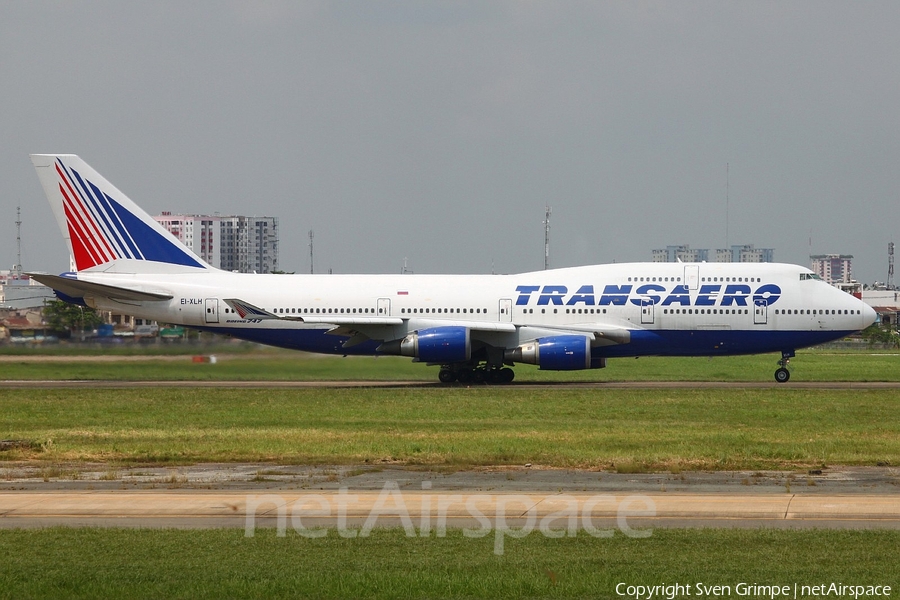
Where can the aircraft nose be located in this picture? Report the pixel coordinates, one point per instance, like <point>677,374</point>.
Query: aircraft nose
<point>868,316</point>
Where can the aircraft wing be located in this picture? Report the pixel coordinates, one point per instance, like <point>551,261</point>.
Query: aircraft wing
<point>360,328</point>
<point>603,334</point>
<point>77,288</point>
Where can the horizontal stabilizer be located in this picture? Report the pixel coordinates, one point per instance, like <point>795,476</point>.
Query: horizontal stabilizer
<point>75,288</point>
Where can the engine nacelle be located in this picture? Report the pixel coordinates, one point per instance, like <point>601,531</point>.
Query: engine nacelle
<point>556,353</point>
<point>434,345</point>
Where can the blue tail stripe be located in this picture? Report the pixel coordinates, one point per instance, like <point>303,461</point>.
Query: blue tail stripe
<point>117,227</point>
<point>89,201</point>
<point>121,231</point>
<point>98,211</point>
<point>152,245</point>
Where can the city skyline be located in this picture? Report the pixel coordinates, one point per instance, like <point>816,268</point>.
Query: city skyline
<point>440,131</point>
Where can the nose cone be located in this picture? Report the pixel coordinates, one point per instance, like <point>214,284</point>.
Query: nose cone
<point>868,316</point>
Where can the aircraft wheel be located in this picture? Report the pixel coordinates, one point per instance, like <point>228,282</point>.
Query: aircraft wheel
<point>507,375</point>
<point>782,375</point>
<point>494,376</point>
<point>464,376</point>
<point>479,375</point>
<point>447,376</point>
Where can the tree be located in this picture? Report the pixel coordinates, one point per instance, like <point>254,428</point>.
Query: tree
<point>70,318</point>
<point>877,334</point>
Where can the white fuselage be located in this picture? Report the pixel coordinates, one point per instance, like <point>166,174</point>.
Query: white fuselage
<point>669,308</point>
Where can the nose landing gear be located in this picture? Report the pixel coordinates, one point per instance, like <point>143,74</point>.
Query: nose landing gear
<point>782,375</point>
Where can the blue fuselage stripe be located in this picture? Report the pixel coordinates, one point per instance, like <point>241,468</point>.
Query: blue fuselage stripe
<point>643,343</point>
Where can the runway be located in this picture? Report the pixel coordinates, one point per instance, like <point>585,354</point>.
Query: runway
<point>107,384</point>
<point>429,510</point>
<point>264,495</point>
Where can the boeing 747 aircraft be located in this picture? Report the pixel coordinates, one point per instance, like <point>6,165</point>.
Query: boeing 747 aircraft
<point>474,327</point>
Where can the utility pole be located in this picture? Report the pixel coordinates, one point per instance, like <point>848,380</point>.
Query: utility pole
<point>547,239</point>
<point>310,251</point>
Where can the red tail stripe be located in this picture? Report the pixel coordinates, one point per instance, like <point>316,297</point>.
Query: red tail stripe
<point>94,235</point>
<point>75,218</point>
<point>84,257</point>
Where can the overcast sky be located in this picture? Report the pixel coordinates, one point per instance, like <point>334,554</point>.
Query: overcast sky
<point>439,131</point>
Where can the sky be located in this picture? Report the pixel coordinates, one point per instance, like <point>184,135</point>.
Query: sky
<point>438,132</point>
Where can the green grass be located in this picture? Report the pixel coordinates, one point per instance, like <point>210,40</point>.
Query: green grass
<point>284,366</point>
<point>208,344</point>
<point>128,563</point>
<point>643,429</point>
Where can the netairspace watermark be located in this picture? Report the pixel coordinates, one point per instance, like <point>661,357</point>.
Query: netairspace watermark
<point>754,590</point>
<point>433,512</point>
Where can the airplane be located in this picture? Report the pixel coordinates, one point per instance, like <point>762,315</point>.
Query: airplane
<point>474,327</point>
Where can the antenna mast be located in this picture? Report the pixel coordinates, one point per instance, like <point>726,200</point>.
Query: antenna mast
<point>18,267</point>
<point>890,281</point>
<point>547,239</point>
<point>310,251</point>
<point>726,208</point>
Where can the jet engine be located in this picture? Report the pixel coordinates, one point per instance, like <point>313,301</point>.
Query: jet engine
<point>434,345</point>
<point>555,353</point>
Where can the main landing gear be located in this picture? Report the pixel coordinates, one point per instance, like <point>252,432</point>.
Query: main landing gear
<point>478,374</point>
<point>782,375</point>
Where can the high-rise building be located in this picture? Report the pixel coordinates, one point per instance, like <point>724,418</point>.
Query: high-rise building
<point>833,268</point>
<point>200,233</point>
<point>683,253</point>
<point>746,253</point>
<point>737,253</point>
<point>232,243</point>
<point>249,244</point>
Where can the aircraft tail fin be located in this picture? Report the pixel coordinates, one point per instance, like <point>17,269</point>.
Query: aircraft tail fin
<point>102,225</point>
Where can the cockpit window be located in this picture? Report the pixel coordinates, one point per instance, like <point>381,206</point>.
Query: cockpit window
<point>806,276</point>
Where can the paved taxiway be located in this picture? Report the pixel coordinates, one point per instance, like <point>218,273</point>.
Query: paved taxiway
<point>89,384</point>
<point>218,495</point>
<point>197,509</point>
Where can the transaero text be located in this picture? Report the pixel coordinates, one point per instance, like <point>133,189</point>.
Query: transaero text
<point>736,294</point>
<point>755,590</point>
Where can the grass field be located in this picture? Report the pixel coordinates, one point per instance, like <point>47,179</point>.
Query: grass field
<point>286,366</point>
<point>456,427</point>
<point>121,563</point>
<point>668,429</point>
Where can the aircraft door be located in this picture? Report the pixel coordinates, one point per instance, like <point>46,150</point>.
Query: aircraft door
<point>212,310</point>
<point>647,311</point>
<point>505,310</point>
<point>692,276</point>
<point>384,307</point>
<point>760,312</point>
